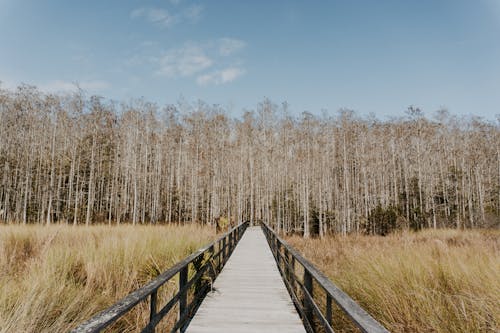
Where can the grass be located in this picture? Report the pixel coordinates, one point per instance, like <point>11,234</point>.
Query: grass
<point>53,278</point>
<point>431,281</point>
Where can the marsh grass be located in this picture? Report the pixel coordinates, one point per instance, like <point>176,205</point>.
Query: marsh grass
<point>431,281</point>
<point>53,278</point>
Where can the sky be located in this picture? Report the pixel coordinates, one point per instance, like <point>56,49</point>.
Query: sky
<point>371,56</point>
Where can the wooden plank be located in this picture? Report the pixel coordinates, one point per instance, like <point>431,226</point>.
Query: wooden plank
<point>249,295</point>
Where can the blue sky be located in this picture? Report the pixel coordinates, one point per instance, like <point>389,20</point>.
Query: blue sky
<point>372,56</point>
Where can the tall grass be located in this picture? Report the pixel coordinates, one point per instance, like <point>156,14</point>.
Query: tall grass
<point>52,278</point>
<point>432,281</point>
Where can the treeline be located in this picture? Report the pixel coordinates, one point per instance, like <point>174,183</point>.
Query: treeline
<point>83,160</point>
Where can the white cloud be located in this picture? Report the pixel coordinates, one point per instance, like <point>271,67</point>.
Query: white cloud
<point>61,86</point>
<point>193,13</point>
<point>185,61</point>
<point>209,62</point>
<point>157,16</point>
<point>229,46</point>
<point>163,18</point>
<point>220,77</point>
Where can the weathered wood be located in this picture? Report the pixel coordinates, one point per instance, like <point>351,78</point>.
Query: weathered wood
<point>249,295</point>
<point>113,313</point>
<point>110,315</point>
<point>152,312</point>
<point>329,309</point>
<point>224,249</point>
<point>360,317</point>
<point>307,303</point>
<point>183,279</point>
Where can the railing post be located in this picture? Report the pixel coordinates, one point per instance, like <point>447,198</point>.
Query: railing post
<point>231,242</point>
<point>329,309</point>
<point>286,264</point>
<point>198,266</point>
<point>273,243</point>
<point>211,251</point>
<point>219,257</point>
<point>152,311</point>
<point>183,278</point>
<point>278,246</point>
<point>224,249</point>
<point>307,304</point>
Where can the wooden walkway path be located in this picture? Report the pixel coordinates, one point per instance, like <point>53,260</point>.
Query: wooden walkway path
<point>249,295</point>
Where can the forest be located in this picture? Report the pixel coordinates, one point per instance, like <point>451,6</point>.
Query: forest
<point>79,159</point>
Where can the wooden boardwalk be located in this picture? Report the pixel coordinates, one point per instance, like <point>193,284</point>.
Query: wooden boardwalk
<point>249,295</point>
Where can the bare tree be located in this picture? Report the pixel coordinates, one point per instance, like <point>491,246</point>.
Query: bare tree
<point>77,159</point>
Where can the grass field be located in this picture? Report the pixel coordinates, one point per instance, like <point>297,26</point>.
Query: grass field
<point>52,278</point>
<point>431,281</point>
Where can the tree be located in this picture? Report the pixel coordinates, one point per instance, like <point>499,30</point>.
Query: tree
<point>78,159</point>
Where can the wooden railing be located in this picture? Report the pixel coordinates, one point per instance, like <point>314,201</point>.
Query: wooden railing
<point>207,264</point>
<point>315,306</point>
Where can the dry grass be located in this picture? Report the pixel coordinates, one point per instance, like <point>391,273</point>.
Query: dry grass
<point>432,281</point>
<point>52,278</point>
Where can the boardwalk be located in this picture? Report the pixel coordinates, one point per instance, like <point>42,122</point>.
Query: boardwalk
<point>249,295</point>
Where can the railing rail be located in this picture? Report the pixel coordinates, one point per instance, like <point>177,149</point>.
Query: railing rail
<point>206,270</point>
<point>316,317</point>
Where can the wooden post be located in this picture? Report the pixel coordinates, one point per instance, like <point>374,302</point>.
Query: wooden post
<point>219,257</point>
<point>183,277</point>
<point>307,304</point>
<point>198,266</point>
<point>286,264</point>
<point>275,244</point>
<point>278,258</point>
<point>329,309</point>
<point>231,243</point>
<point>212,271</point>
<point>224,249</point>
<point>152,312</point>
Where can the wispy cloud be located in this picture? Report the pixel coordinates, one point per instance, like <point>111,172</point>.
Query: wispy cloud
<point>185,61</point>
<point>210,62</point>
<point>165,19</point>
<point>156,16</point>
<point>229,46</point>
<point>193,13</point>
<point>221,76</point>
<point>61,86</point>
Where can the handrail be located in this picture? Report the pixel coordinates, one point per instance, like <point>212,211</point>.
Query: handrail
<point>218,251</point>
<point>313,315</point>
